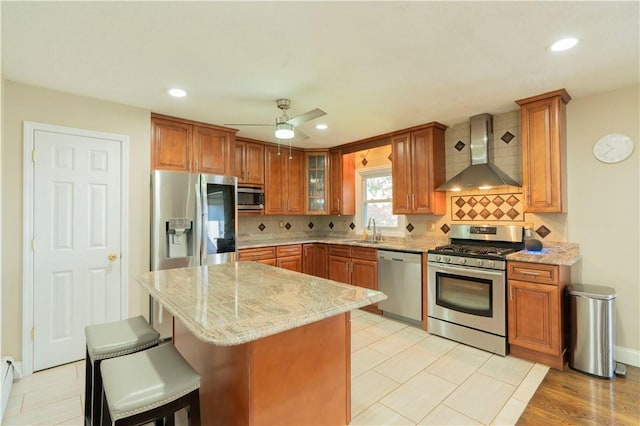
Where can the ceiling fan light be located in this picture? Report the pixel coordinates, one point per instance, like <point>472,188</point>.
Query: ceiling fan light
<point>284,131</point>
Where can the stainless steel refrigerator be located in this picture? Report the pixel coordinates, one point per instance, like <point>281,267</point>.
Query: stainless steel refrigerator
<point>193,222</point>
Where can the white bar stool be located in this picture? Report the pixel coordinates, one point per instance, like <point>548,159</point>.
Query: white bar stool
<point>106,341</point>
<point>148,386</point>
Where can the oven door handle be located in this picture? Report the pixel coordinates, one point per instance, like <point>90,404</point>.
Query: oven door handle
<point>458,268</point>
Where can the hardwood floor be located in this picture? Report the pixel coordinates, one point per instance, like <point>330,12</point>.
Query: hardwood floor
<point>571,397</point>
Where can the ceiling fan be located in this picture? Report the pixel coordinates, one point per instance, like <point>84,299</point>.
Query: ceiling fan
<point>286,126</point>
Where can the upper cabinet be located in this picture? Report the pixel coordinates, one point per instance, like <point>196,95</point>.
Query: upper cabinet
<point>187,146</point>
<point>544,151</point>
<point>418,168</point>
<point>284,177</point>
<point>343,187</point>
<point>316,186</point>
<point>249,162</point>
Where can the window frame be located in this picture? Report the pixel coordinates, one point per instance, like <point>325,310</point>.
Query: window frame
<point>361,175</point>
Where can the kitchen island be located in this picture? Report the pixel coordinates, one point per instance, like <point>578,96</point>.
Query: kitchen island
<point>272,346</point>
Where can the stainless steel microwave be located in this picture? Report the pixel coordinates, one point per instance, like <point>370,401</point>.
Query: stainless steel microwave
<point>250,198</point>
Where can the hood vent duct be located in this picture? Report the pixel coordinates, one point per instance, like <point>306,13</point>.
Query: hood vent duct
<point>481,174</point>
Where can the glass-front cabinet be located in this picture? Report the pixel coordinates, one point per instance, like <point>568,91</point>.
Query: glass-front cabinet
<point>316,185</point>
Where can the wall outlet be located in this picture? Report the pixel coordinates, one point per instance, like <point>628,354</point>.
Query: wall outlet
<point>281,224</point>
<point>431,226</point>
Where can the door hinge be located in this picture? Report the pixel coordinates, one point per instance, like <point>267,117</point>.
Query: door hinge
<point>33,333</point>
<point>33,155</point>
<point>33,245</point>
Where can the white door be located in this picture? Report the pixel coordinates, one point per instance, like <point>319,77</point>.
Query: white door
<point>77,242</point>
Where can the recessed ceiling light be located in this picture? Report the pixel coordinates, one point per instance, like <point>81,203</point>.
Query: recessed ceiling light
<point>321,126</point>
<point>178,93</point>
<point>564,44</point>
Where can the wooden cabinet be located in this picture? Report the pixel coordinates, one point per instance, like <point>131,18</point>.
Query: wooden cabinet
<point>418,168</point>
<point>284,177</point>
<point>187,146</point>
<point>287,257</point>
<point>536,315</point>
<point>544,151</point>
<point>316,188</point>
<point>249,162</point>
<point>343,188</point>
<point>315,260</point>
<point>356,266</point>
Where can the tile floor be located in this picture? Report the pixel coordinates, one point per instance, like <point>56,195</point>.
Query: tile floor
<point>401,375</point>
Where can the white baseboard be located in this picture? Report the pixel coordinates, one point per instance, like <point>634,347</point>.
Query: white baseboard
<point>627,356</point>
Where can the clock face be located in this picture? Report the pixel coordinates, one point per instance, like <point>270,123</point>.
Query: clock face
<point>613,148</point>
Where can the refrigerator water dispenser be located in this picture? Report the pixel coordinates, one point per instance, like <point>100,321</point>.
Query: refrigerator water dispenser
<point>178,238</point>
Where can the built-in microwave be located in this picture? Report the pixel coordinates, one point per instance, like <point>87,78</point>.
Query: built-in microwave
<point>250,198</point>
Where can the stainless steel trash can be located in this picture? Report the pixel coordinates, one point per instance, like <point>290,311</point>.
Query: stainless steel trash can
<point>591,329</point>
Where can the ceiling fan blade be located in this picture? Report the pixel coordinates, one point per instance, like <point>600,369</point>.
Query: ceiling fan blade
<point>300,135</point>
<point>307,116</point>
<point>246,124</point>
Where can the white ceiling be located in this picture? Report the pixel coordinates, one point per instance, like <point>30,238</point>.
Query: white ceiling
<point>374,67</point>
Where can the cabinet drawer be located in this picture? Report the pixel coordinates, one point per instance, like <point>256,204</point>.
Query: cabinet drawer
<point>292,250</point>
<point>336,250</point>
<point>533,272</point>
<point>257,253</point>
<point>364,253</point>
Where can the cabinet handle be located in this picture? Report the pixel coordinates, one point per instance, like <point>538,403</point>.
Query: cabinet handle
<point>413,201</point>
<point>510,293</point>
<point>534,273</point>
<point>338,204</point>
<point>408,206</point>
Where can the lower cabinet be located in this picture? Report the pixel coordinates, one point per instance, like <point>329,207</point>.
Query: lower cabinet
<point>537,312</point>
<point>286,257</point>
<point>314,260</point>
<point>356,266</point>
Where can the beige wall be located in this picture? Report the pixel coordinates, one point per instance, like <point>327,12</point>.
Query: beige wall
<point>603,201</point>
<point>28,103</point>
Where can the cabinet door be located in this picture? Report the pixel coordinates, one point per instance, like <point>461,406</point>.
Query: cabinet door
<point>339,269</point>
<point>315,186</point>
<point>534,317</point>
<point>294,199</point>
<point>364,273</point>
<point>342,182</point>
<point>238,162</point>
<point>171,146</point>
<point>427,171</point>
<point>253,163</point>
<point>292,263</point>
<point>274,182</point>
<point>314,260</point>
<point>543,151</point>
<point>212,150</point>
<point>401,174</point>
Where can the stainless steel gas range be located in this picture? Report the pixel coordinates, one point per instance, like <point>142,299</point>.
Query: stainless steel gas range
<point>467,285</point>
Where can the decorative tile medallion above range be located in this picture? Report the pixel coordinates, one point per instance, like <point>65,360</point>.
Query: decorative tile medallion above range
<point>483,207</point>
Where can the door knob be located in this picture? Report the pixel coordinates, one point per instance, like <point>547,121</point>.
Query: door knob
<point>113,256</point>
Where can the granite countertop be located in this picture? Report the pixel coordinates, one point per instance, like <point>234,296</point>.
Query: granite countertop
<point>554,253</point>
<point>235,303</point>
<point>390,243</point>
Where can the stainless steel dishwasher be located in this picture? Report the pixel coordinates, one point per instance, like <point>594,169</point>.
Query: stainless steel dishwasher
<point>400,278</point>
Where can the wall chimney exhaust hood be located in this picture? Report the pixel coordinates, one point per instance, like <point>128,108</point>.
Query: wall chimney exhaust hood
<point>481,174</point>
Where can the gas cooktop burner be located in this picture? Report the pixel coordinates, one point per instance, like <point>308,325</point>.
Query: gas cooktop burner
<point>473,250</point>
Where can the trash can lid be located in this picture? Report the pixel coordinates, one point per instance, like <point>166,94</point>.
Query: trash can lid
<point>592,291</point>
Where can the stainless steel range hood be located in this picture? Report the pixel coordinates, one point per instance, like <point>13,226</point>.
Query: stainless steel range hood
<point>481,174</point>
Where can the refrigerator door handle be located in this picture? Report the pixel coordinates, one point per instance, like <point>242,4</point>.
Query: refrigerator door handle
<point>203,213</point>
<point>199,224</point>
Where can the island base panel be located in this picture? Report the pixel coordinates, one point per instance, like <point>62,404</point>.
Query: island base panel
<point>298,377</point>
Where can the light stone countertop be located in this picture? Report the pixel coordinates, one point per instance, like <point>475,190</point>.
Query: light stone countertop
<point>553,253</point>
<point>235,303</point>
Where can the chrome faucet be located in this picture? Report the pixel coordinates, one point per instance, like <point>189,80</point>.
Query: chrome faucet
<point>373,236</point>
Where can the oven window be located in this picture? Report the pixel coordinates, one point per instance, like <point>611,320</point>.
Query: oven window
<point>465,294</point>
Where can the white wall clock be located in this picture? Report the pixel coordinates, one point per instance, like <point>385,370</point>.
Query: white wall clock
<point>613,148</point>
